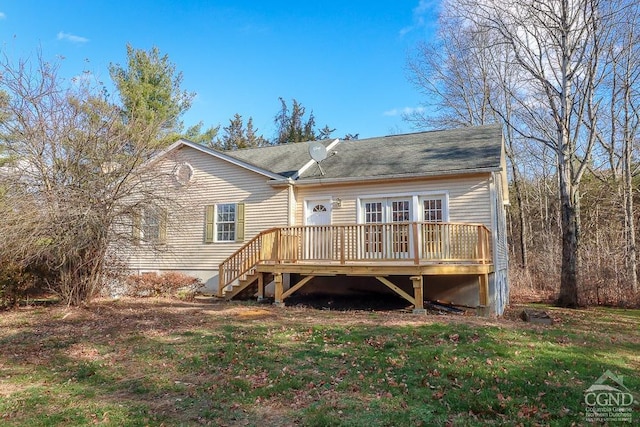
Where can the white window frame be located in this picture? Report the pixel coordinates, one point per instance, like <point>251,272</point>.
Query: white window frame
<point>417,210</point>
<point>217,223</point>
<point>444,197</point>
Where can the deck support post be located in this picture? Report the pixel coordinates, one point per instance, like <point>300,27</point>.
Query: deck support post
<point>260,286</point>
<point>418,295</point>
<point>277,277</point>
<point>483,282</point>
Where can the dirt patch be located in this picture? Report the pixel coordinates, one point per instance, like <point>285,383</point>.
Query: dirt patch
<point>259,313</point>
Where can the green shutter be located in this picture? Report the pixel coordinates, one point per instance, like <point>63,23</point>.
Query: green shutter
<point>135,228</point>
<point>162,226</point>
<point>240,223</point>
<point>209,225</point>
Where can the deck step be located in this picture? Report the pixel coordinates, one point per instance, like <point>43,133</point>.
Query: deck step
<point>241,285</point>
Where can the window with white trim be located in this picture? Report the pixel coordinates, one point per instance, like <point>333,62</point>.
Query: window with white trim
<point>373,212</point>
<point>433,209</point>
<point>400,210</point>
<point>226,222</point>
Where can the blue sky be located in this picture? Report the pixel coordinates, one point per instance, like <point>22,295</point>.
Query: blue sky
<point>345,60</point>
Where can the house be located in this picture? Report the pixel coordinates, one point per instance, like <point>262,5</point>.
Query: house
<point>421,215</point>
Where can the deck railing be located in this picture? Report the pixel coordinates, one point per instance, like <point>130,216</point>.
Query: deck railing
<point>415,242</point>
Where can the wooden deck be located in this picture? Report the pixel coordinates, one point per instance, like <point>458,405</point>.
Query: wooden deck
<point>379,250</point>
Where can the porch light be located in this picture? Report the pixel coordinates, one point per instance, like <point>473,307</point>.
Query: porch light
<point>337,202</point>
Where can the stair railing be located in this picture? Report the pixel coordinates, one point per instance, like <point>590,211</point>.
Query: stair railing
<point>261,248</point>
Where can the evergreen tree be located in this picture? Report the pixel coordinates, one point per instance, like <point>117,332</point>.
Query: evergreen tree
<point>208,138</point>
<point>291,124</point>
<point>325,132</point>
<point>253,139</point>
<point>150,93</point>
<point>236,136</point>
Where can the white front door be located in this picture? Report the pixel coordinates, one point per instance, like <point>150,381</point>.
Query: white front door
<point>318,238</point>
<point>318,212</point>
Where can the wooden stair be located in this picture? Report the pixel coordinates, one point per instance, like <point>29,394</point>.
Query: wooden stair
<point>246,286</point>
<point>242,285</point>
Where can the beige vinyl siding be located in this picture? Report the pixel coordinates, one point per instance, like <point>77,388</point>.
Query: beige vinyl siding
<point>214,181</point>
<point>499,283</point>
<point>469,197</point>
<point>500,244</point>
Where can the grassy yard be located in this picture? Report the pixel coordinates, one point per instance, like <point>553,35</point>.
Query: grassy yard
<point>162,362</point>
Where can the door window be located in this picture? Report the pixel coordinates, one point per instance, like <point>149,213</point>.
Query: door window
<point>387,241</point>
<point>318,213</point>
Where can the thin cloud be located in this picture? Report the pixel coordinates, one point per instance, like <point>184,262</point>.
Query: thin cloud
<point>403,111</point>
<point>72,38</point>
<point>422,15</point>
<point>86,77</point>
<point>2,15</point>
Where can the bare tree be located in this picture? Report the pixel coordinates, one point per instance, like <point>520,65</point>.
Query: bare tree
<point>468,78</point>
<point>619,124</point>
<point>454,75</point>
<point>563,78</point>
<point>557,46</point>
<point>75,180</point>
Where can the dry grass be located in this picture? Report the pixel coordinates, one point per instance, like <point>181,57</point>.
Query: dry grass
<point>159,361</point>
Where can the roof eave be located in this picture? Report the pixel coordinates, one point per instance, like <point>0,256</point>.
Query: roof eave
<point>281,182</point>
<point>347,180</point>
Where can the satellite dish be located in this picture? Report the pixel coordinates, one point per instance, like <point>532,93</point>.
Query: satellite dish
<point>317,151</point>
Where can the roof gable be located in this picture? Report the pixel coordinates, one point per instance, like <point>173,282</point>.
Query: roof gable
<point>218,154</point>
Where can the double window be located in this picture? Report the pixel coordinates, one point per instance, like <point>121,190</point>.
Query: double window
<point>224,222</point>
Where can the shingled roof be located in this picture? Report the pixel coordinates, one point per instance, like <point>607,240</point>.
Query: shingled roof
<point>455,151</point>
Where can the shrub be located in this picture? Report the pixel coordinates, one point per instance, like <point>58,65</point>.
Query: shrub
<point>171,283</point>
<point>16,284</point>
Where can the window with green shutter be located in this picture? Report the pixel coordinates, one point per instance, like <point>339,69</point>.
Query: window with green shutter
<point>224,222</point>
<point>240,223</point>
<point>209,224</point>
